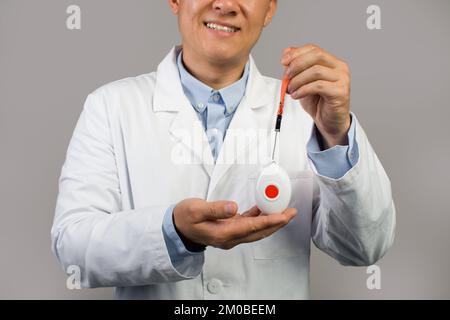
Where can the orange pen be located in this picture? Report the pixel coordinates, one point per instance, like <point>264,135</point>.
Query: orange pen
<point>284,86</point>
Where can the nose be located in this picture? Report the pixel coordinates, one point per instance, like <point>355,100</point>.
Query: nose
<point>225,7</point>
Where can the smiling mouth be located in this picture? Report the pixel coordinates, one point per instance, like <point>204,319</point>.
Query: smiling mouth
<point>215,26</point>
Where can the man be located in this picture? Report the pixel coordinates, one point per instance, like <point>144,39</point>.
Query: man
<point>154,200</point>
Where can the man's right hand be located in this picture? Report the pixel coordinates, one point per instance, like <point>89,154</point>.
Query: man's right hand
<point>217,223</point>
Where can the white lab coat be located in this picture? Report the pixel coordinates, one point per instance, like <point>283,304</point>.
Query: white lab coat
<point>122,173</point>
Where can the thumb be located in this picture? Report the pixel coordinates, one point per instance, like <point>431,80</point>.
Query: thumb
<point>219,210</point>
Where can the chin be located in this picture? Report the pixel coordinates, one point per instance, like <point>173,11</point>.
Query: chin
<point>223,54</point>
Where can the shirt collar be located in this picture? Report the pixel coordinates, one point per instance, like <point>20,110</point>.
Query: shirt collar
<point>199,93</point>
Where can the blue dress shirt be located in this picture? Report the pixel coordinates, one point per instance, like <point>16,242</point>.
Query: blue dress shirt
<point>215,109</point>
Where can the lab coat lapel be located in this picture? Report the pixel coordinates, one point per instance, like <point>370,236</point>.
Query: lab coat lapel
<point>186,128</point>
<point>253,114</point>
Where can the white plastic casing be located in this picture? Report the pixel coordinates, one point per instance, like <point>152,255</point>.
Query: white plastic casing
<point>273,189</point>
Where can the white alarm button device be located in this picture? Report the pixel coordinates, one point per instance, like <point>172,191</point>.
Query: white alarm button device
<point>273,189</point>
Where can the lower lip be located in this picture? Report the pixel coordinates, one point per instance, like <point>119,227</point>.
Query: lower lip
<point>221,33</point>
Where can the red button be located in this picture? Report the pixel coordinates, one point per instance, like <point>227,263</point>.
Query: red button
<point>271,191</point>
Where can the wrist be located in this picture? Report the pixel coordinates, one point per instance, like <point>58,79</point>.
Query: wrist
<point>332,141</point>
<point>338,137</point>
<point>188,244</point>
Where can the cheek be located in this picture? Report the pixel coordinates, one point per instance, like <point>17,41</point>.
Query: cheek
<point>256,22</point>
<point>254,33</point>
<point>187,28</point>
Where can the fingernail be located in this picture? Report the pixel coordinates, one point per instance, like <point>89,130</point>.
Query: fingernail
<point>285,58</point>
<point>287,72</point>
<point>229,209</point>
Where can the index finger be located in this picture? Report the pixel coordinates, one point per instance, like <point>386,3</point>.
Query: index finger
<point>292,53</point>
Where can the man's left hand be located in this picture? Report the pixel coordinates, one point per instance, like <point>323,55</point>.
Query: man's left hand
<point>322,84</point>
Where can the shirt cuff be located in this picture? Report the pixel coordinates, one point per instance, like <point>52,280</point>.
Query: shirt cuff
<point>334,162</point>
<point>183,260</point>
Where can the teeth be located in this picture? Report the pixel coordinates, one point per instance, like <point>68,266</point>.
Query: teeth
<point>221,28</point>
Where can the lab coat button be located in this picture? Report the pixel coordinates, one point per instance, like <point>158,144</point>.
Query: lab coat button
<point>214,286</point>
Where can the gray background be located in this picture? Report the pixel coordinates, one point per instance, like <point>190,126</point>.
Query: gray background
<point>400,93</point>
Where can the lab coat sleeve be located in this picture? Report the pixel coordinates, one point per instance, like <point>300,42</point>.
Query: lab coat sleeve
<point>354,216</point>
<point>185,261</point>
<point>111,246</point>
